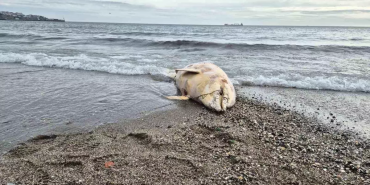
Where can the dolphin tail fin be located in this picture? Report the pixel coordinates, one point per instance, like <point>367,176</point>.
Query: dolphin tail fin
<point>177,97</point>
<point>197,71</point>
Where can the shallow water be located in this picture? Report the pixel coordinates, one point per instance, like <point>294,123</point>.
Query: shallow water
<point>40,100</point>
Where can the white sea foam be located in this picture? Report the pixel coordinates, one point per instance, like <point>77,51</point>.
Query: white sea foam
<point>82,62</point>
<point>338,83</point>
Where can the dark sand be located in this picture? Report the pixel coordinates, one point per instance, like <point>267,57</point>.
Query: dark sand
<point>250,144</point>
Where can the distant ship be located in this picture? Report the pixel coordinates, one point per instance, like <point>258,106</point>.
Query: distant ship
<point>235,24</point>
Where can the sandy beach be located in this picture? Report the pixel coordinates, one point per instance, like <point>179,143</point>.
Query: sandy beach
<point>252,143</point>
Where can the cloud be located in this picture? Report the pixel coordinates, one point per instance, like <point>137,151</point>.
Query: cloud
<point>270,12</point>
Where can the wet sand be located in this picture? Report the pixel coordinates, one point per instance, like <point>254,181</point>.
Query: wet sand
<point>349,110</point>
<point>252,143</point>
<point>44,100</point>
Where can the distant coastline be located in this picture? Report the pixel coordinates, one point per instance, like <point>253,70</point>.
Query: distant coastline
<point>16,16</point>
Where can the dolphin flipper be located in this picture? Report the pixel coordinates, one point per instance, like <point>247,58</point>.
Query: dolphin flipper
<point>177,97</point>
<point>190,70</point>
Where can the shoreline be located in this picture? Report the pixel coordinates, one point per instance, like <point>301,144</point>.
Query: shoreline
<point>251,143</point>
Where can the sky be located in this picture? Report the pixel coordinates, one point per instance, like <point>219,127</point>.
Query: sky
<point>215,12</point>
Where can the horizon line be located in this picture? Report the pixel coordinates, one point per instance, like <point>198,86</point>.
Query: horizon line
<point>194,24</point>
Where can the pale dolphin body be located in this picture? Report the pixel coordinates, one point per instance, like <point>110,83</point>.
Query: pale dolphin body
<point>207,84</point>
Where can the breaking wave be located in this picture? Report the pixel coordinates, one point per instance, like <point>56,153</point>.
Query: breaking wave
<point>82,62</point>
<point>113,65</point>
<point>336,83</point>
<point>139,41</point>
<point>230,46</point>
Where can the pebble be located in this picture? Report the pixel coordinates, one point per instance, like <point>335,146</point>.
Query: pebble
<point>285,149</point>
<point>293,165</point>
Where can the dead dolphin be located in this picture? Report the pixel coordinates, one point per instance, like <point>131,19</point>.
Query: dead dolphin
<point>207,84</point>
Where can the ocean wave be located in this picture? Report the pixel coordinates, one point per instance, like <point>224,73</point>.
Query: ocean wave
<point>30,36</point>
<point>52,38</point>
<point>336,83</point>
<point>231,46</point>
<point>356,39</point>
<point>82,62</point>
<point>9,35</point>
<point>140,33</point>
<point>180,34</point>
<point>115,66</point>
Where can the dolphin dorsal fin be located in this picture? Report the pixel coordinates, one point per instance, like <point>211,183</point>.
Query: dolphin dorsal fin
<point>189,70</point>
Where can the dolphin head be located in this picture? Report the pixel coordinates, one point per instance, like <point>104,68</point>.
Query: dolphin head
<point>220,99</point>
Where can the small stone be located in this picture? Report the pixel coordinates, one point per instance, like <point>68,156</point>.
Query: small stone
<point>293,165</point>
<point>310,149</point>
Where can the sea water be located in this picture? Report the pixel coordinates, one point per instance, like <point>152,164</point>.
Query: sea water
<point>76,76</point>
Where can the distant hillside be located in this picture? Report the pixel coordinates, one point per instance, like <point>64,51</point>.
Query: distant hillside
<point>15,16</point>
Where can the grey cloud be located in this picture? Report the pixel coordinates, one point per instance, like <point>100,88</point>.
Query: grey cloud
<point>269,12</point>
<point>335,12</point>
<point>116,4</point>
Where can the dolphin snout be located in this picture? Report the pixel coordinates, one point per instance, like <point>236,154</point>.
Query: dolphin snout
<point>218,103</point>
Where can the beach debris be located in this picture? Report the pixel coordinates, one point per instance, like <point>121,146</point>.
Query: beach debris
<point>108,164</point>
